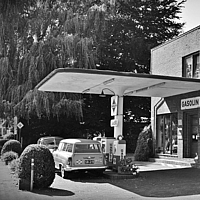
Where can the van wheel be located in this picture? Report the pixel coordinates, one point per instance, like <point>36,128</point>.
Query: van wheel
<point>63,173</point>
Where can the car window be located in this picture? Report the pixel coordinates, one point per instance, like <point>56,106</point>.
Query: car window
<point>39,141</point>
<point>60,146</point>
<point>67,147</point>
<point>57,140</point>
<point>48,142</point>
<point>64,147</point>
<point>87,148</point>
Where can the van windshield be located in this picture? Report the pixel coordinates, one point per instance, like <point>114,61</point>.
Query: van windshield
<point>87,148</point>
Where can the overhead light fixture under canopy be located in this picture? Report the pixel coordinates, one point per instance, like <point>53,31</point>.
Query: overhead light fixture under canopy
<point>103,94</point>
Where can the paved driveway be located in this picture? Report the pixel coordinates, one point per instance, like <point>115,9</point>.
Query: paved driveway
<point>95,188</point>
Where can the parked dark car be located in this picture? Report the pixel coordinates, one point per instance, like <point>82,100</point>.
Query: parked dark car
<point>51,142</point>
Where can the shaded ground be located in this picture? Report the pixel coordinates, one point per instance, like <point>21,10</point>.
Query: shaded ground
<point>176,184</point>
<point>160,183</point>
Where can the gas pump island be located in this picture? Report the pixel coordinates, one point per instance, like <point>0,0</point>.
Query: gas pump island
<point>114,148</point>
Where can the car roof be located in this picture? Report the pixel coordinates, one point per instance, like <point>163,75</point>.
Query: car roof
<point>79,140</point>
<point>50,137</point>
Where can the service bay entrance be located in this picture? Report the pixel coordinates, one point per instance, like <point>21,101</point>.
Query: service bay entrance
<point>190,131</point>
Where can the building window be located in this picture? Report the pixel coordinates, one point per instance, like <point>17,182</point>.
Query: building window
<point>166,134</point>
<point>191,68</point>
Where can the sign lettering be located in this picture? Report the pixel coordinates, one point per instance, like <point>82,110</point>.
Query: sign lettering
<point>190,103</point>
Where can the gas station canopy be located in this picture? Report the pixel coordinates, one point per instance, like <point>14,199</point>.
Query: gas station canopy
<point>113,83</point>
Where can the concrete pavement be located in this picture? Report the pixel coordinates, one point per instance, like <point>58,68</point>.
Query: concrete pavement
<point>153,166</point>
<point>75,190</point>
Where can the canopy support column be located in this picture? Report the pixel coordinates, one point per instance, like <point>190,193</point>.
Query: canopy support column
<point>118,130</point>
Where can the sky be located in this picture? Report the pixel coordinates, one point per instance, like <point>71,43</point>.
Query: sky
<point>191,14</point>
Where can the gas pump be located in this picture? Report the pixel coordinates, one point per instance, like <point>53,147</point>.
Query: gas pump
<point>113,149</point>
<point>107,147</point>
<point>119,152</point>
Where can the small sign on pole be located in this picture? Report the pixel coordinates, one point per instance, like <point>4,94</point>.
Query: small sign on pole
<point>114,105</point>
<point>20,125</point>
<point>114,122</point>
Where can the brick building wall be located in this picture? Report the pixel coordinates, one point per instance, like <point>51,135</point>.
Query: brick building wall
<point>167,60</point>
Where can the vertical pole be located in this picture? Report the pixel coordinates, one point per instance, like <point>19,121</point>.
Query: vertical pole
<point>2,131</point>
<point>16,136</point>
<point>32,173</point>
<point>15,127</point>
<point>118,130</point>
<point>181,121</point>
<point>198,140</point>
<point>19,139</point>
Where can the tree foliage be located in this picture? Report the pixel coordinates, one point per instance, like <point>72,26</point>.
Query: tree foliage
<point>38,36</point>
<point>136,27</point>
<point>42,35</point>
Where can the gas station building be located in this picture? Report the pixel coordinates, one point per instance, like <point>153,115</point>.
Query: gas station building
<point>173,85</point>
<point>176,118</point>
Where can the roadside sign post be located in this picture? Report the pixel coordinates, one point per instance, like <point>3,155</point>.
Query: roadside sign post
<point>32,174</point>
<point>20,126</point>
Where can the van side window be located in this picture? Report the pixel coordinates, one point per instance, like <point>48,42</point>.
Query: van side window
<point>69,147</point>
<point>87,148</point>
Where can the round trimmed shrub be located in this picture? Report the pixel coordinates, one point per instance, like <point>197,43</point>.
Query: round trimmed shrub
<point>14,165</point>
<point>12,145</point>
<point>2,142</point>
<point>144,148</point>
<point>44,165</point>
<point>9,156</point>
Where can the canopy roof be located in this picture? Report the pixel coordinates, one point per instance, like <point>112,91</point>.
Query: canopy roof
<point>94,81</point>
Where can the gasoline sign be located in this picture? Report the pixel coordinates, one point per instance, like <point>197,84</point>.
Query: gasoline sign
<point>190,103</point>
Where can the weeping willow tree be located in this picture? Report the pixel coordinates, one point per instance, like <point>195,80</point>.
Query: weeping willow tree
<point>38,36</point>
